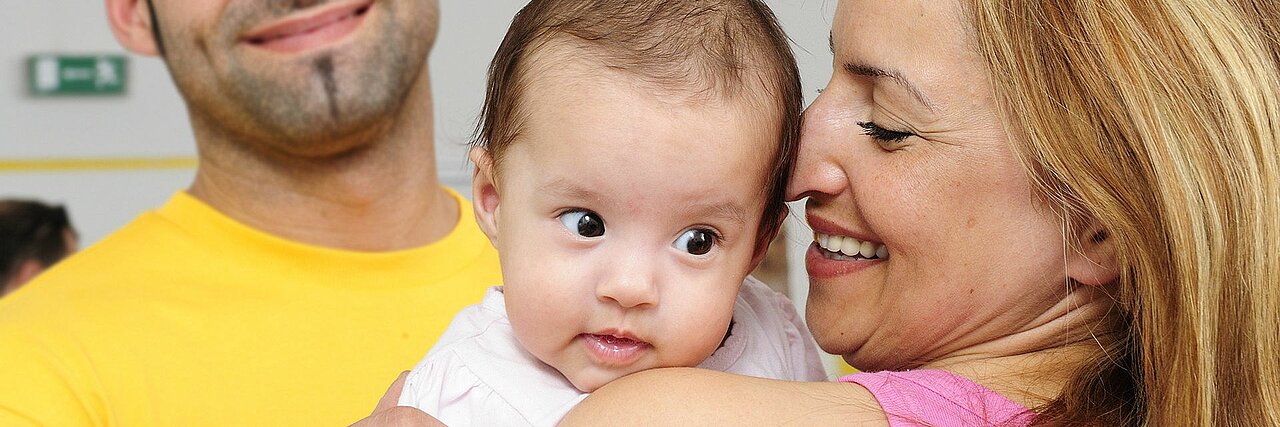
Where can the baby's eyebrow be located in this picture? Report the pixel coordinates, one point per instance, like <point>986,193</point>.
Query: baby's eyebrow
<point>569,189</point>
<point>728,211</point>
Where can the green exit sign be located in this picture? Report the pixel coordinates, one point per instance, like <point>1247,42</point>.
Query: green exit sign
<point>54,74</point>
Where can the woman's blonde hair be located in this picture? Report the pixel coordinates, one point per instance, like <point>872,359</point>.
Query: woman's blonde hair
<point>1156,122</point>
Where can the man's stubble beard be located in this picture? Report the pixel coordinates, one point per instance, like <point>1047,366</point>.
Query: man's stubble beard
<point>338,100</point>
<point>344,99</point>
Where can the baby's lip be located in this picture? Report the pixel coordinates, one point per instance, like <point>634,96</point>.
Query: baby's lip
<point>614,348</point>
<point>617,334</point>
<point>618,340</point>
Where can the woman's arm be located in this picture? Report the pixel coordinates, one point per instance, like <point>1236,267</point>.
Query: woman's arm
<point>677,396</point>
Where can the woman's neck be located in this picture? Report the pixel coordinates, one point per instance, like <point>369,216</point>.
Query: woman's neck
<point>1034,365</point>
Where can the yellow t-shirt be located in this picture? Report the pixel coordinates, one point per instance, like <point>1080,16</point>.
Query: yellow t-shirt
<point>186,317</point>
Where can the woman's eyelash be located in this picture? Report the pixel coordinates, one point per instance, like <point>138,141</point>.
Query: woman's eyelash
<point>875,131</point>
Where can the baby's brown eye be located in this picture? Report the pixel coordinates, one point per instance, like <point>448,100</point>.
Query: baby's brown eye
<point>696,241</point>
<point>584,223</point>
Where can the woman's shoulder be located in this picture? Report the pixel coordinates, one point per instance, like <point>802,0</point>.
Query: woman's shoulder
<point>932,396</point>
<point>679,395</point>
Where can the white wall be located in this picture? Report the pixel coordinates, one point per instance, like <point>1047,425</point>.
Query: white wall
<point>149,121</point>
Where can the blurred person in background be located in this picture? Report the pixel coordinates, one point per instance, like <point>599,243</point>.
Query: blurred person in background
<point>33,236</point>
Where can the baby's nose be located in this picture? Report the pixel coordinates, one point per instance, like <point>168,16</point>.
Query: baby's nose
<point>631,283</point>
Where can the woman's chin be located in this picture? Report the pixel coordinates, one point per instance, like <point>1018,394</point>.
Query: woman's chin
<point>869,359</point>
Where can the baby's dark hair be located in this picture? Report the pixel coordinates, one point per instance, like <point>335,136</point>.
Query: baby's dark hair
<point>696,48</point>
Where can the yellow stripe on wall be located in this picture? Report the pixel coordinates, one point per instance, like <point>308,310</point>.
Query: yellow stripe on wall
<point>96,164</point>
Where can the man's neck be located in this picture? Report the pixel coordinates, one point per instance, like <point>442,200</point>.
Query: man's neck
<point>382,196</point>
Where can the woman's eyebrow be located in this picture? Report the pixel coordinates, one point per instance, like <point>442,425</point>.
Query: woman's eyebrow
<point>877,72</point>
<point>894,75</point>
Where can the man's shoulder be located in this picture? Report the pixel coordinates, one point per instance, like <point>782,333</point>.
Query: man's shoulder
<point>59,321</point>
<point>112,274</point>
<point>143,242</point>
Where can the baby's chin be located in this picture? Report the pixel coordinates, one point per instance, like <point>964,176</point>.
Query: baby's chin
<point>589,376</point>
<point>589,382</point>
<point>591,379</point>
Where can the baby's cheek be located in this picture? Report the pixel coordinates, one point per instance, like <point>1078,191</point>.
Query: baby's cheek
<point>698,338</point>
<point>535,329</point>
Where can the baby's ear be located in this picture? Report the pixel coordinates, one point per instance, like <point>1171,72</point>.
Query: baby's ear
<point>1093,262</point>
<point>484,191</point>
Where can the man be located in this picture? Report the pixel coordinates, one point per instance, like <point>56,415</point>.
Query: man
<point>33,236</point>
<point>314,257</point>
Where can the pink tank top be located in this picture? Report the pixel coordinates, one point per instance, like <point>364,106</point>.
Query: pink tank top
<point>931,397</point>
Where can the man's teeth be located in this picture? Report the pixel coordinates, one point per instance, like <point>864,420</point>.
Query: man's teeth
<point>851,247</point>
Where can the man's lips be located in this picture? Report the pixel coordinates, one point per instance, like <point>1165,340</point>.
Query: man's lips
<point>311,28</point>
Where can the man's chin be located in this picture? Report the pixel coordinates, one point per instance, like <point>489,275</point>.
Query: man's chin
<point>330,139</point>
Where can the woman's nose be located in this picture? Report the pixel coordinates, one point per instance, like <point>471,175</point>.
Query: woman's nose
<point>815,172</point>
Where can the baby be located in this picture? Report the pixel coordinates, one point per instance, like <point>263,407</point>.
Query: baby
<point>630,169</point>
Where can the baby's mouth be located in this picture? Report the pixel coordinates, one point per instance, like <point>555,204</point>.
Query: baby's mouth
<point>845,248</point>
<point>617,342</point>
<point>612,349</point>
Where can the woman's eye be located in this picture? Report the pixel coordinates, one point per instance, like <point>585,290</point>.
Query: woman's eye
<point>881,134</point>
<point>696,241</point>
<point>585,223</point>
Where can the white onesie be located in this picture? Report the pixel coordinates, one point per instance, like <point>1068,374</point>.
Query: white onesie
<point>478,374</point>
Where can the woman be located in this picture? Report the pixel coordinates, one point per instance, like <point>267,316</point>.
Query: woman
<point>1080,203</point>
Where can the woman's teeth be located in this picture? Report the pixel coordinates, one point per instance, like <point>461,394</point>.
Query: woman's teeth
<point>847,247</point>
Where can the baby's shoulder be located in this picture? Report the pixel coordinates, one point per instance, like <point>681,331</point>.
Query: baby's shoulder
<point>757,299</point>
<point>480,321</point>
